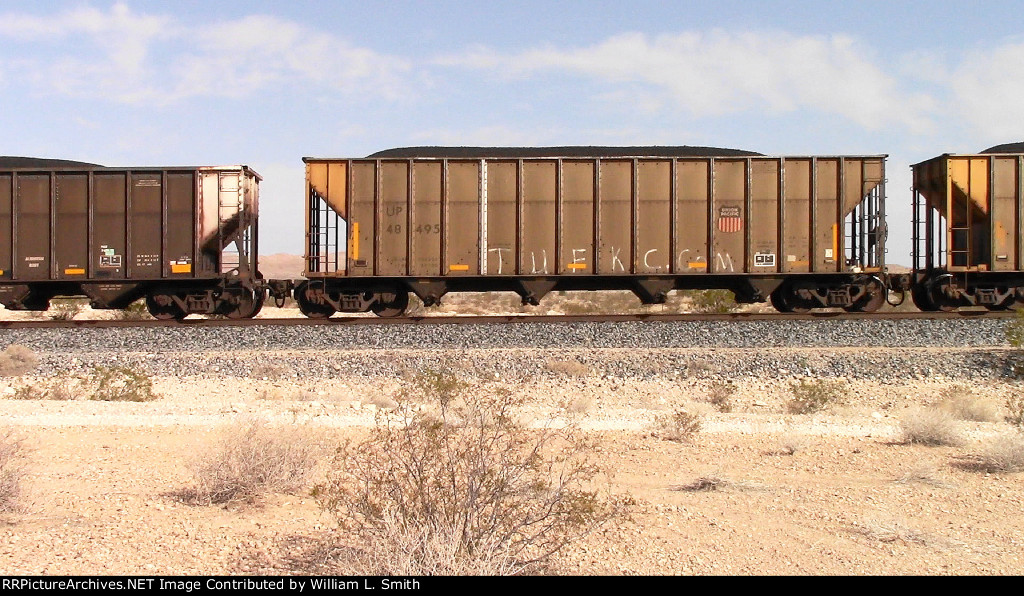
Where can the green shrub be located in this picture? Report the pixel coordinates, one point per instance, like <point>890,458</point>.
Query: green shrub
<point>712,301</point>
<point>120,383</point>
<point>813,395</point>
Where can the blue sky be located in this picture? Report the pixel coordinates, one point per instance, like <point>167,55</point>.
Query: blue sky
<point>266,83</point>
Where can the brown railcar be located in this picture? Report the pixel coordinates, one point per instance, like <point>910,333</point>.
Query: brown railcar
<point>805,231</point>
<point>183,238</point>
<point>968,249</point>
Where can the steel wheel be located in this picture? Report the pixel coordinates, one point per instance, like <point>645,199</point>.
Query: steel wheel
<point>163,307</point>
<point>391,304</point>
<point>309,308</point>
<point>872,300</point>
<point>249,305</point>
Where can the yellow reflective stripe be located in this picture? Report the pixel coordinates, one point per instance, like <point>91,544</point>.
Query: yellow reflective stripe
<point>458,267</point>
<point>72,271</point>
<point>354,243</point>
<point>576,266</point>
<point>181,268</point>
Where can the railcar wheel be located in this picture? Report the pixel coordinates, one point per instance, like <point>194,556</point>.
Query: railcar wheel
<point>921,299</point>
<point>391,304</point>
<point>779,301</point>
<point>249,305</point>
<point>163,307</point>
<point>309,308</point>
<point>940,300</point>
<point>872,300</point>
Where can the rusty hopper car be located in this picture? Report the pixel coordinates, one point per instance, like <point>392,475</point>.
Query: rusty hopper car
<point>805,232</point>
<point>968,247</point>
<point>182,238</point>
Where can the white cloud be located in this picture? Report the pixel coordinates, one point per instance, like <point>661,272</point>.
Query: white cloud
<point>986,90</point>
<point>126,57</point>
<point>718,72</point>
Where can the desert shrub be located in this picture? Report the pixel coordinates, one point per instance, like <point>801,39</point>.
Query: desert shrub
<point>136,311</point>
<point>679,426</point>
<point>17,360</point>
<point>268,370</point>
<point>252,460</point>
<point>65,309</point>
<point>813,395</point>
<point>11,470</point>
<point>120,383</point>
<point>959,401</point>
<point>1015,409</point>
<point>463,487</point>
<point>712,301</point>
<point>930,426</point>
<point>1005,453</point>
<point>571,368</point>
<point>720,396</point>
<point>63,388</point>
<point>432,386</point>
<point>579,405</point>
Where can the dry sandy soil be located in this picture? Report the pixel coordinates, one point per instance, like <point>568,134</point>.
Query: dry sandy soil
<point>830,493</point>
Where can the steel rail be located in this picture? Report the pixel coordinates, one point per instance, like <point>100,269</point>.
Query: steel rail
<point>506,319</point>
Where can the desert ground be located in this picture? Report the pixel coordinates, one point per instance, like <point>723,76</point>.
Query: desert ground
<point>756,490</point>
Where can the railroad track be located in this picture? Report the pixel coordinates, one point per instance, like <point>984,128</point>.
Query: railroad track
<point>505,319</point>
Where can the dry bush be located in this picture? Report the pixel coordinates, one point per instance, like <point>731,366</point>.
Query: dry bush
<point>11,470</point>
<point>814,395</point>
<point>120,383</point>
<point>65,309</point>
<point>63,388</point>
<point>460,486</point>
<point>679,426</point>
<point>930,426</point>
<point>792,443</point>
<point>252,460</point>
<point>268,370</point>
<point>1015,409</point>
<point>720,396</point>
<point>571,368</point>
<point>959,401</point>
<point>17,360</point>
<point>1004,454</point>
<point>580,405</point>
<point>894,531</point>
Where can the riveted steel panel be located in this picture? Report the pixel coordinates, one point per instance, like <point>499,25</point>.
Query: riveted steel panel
<point>145,229</point>
<point>827,227</point>
<point>33,226</point>
<point>577,233</point>
<point>362,226</point>
<point>1004,214</point>
<point>393,219</point>
<point>463,219</point>
<point>616,207</point>
<point>540,186</point>
<point>763,254</point>
<point>71,237</point>
<point>6,227</point>
<point>797,222</point>
<point>502,217</point>
<point>654,216</point>
<point>426,217</point>
<point>181,225</point>
<point>692,192</point>
<point>109,240</point>
<point>728,215</point>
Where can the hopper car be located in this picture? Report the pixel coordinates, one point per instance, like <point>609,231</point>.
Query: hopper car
<point>802,231</point>
<point>184,238</point>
